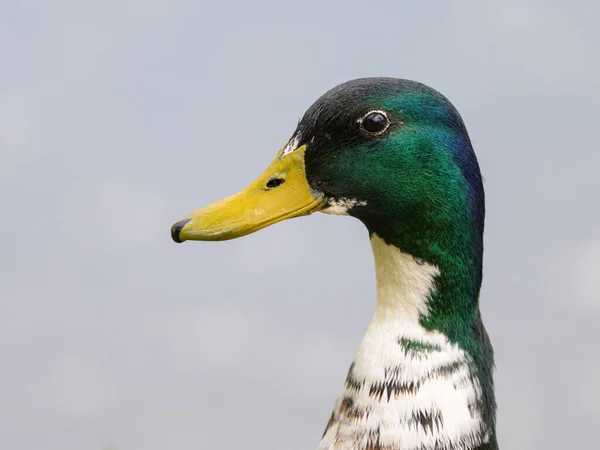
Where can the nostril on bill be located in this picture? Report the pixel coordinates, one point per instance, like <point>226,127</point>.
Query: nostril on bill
<point>275,182</point>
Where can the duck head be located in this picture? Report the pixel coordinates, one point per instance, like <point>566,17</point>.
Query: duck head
<point>393,153</point>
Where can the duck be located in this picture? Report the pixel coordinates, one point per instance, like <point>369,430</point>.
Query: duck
<point>394,154</point>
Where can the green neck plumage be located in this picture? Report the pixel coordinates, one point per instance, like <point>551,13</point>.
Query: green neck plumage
<point>445,229</point>
<point>453,307</point>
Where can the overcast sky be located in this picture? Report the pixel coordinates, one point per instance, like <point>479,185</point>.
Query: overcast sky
<point>118,117</point>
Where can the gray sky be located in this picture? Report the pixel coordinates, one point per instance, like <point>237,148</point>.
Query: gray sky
<point>119,117</point>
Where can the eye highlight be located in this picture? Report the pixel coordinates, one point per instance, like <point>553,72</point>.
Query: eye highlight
<point>375,122</point>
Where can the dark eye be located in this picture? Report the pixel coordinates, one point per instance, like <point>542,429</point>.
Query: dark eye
<point>375,122</point>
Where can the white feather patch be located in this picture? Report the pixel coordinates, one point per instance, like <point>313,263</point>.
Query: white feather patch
<point>341,206</point>
<point>431,402</point>
<point>292,145</point>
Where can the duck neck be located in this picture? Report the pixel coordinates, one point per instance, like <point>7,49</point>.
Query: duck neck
<point>412,386</point>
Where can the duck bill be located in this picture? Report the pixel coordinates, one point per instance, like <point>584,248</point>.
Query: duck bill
<point>280,193</point>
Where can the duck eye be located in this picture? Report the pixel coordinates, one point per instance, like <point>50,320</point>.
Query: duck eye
<point>375,122</point>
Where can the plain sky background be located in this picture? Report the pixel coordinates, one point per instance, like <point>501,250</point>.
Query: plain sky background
<point>119,117</point>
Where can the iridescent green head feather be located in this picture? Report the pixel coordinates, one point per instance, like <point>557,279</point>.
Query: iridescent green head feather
<point>415,183</point>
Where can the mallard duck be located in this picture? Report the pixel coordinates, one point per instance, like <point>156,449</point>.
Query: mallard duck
<point>396,155</point>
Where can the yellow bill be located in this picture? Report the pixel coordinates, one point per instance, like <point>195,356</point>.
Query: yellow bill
<point>280,193</point>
